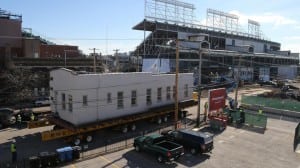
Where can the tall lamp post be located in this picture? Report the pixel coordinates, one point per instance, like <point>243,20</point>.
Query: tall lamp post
<point>199,81</point>
<point>66,55</point>
<point>201,39</point>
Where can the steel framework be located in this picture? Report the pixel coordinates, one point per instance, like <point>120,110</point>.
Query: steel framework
<point>253,28</point>
<point>171,11</point>
<point>221,20</point>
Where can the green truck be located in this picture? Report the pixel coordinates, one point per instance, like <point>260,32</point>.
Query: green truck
<point>158,145</point>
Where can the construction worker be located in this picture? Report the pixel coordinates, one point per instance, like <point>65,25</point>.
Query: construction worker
<point>13,150</point>
<point>205,111</point>
<point>19,120</point>
<point>32,117</point>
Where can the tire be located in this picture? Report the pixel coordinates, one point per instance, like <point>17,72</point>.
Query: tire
<point>133,127</point>
<point>160,159</point>
<point>89,138</point>
<point>77,141</point>
<point>12,120</point>
<point>124,130</point>
<point>137,148</point>
<point>193,151</point>
<point>159,121</point>
<point>165,118</point>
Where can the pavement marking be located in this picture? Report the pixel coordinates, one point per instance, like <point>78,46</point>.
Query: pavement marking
<point>108,161</point>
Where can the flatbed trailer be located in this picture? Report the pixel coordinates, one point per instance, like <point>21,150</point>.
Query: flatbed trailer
<point>67,130</point>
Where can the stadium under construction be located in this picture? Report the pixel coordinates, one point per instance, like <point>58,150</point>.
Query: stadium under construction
<point>220,43</point>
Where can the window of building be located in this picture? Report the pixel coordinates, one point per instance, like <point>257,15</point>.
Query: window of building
<point>85,100</point>
<point>233,42</point>
<point>168,93</point>
<point>158,94</point>
<point>108,97</point>
<point>148,98</point>
<point>120,100</point>
<point>63,101</point>
<point>70,102</point>
<point>186,90</point>
<point>133,98</point>
<point>174,92</point>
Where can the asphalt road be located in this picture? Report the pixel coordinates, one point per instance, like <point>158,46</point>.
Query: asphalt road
<point>234,148</point>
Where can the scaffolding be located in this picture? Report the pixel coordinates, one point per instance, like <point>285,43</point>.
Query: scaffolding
<point>253,28</point>
<point>171,11</point>
<point>221,20</point>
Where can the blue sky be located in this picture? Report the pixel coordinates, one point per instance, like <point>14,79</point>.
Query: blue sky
<point>88,23</point>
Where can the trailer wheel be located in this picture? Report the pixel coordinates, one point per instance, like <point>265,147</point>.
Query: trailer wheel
<point>125,129</point>
<point>77,141</point>
<point>159,158</point>
<point>133,127</point>
<point>165,118</point>
<point>137,148</point>
<point>193,151</point>
<point>159,120</point>
<point>89,138</point>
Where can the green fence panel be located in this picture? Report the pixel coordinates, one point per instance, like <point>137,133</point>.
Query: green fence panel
<point>285,104</point>
<point>255,120</point>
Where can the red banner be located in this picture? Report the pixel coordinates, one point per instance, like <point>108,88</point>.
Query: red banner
<point>217,99</point>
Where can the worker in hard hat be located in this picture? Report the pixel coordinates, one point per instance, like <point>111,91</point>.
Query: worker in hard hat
<point>32,117</point>
<point>13,150</point>
<point>19,121</point>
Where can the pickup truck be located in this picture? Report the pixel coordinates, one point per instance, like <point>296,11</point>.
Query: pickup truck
<point>7,117</point>
<point>195,141</point>
<point>157,145</point>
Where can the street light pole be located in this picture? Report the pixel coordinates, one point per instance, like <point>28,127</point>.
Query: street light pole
<point>237,84</point>
<point>65,58</point>
<point>176,85</point>
<point>199,85</point>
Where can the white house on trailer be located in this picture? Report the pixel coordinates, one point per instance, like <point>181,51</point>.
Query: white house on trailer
<point>81,98</point>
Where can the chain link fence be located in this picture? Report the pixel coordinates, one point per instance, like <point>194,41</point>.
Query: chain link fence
<point>111,145</point>
<point>284,104</point>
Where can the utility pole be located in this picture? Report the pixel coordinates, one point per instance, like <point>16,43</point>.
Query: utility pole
<point>94,53</point>
<point>237,83</point>
<point>199,85</point>
<point>117,59</point>
<point>176,85</point>
<point>137,61</point>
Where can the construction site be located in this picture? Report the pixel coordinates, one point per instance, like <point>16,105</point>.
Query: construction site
<point>229,97</point>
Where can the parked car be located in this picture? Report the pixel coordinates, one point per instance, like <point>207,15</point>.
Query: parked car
<point>7,117</point>
<point>195,141</point>
<point>157,145</point>
<point>42,101</point>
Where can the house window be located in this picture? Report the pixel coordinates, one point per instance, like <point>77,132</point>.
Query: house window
<point>158,94</point>
<point>63,101</point>
<point>133,98</point>
<point>70,102</point>
<point>174,92</point>
<point>84,100</point>
<point>120,100</point>
<point>186,90</point>
<point>168,93</point>
<point>148,98</point>
<point>108,98</point>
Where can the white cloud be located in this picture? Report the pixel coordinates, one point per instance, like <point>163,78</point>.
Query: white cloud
<point>292,38</point>
<point>271,18</point>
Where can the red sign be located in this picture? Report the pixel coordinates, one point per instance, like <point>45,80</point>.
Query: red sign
<point>216,98</point>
